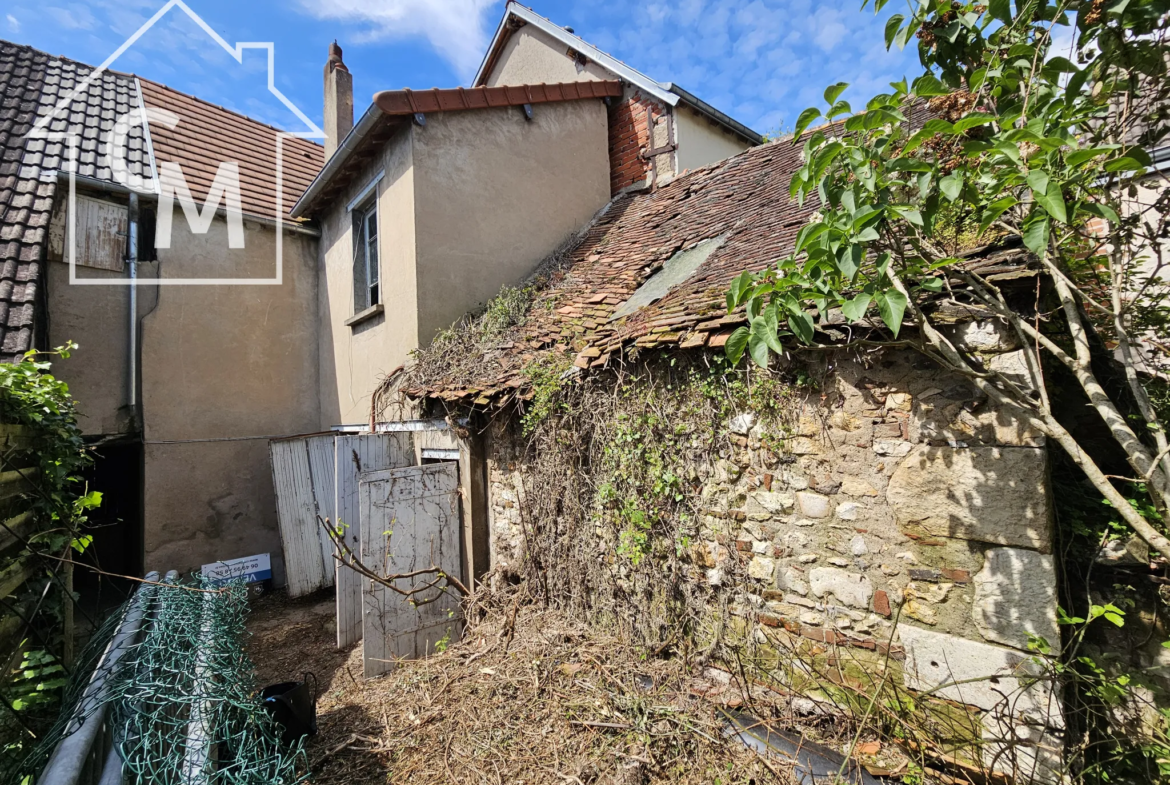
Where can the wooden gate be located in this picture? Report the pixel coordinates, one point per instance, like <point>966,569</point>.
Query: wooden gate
<point>358,453</point>
<point>410,526</point>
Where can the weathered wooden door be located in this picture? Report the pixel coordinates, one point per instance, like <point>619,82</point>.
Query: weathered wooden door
<point>358,453</point>
<point>302,474</point>
<point>410,526</point>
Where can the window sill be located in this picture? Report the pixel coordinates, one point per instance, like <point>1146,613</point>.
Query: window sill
<point>364,316</point>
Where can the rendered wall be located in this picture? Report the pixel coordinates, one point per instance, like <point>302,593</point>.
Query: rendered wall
<point>531,56</point>
<point>355,358</point>
<point>896,514</point>
<point>701,142</point>
<point>495,194</point>
<point>223,369</point>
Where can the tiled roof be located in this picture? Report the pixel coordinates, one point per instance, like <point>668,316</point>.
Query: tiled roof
<point>208,135</point>
<point>31,84</point>
<point>742,200</point>
<point>24,201</point>
<point>34,145</point>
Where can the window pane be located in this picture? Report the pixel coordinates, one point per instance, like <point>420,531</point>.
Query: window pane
<point>360,286</point>
<point>372,224</point>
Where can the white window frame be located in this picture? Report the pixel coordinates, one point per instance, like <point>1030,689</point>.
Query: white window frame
<point>365,205</point>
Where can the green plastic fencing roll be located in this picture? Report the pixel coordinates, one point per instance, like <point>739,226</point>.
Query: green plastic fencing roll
<point>181,705</point>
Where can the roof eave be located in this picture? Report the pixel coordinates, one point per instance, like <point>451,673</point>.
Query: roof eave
<point>702,107</point>
<point>343,153</point>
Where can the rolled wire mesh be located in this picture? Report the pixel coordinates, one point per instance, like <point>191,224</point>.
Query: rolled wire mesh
<point>182,706</point>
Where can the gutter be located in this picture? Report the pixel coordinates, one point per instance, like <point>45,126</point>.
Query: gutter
<point>704,108</point>
<point>360,130</point>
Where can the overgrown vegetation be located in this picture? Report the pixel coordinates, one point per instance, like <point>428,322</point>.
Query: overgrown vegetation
<point>1002,138</point>
<point>48,453</point>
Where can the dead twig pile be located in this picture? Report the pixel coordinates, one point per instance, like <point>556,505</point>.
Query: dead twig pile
<point>530,696</point>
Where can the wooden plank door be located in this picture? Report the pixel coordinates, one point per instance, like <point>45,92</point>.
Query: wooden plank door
<point>296,513</point>
<point>410,522</point>
<point>355,454</point>
<point>303,475</point>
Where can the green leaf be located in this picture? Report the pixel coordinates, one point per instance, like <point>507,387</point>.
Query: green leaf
<point>927,86</point>
<point>758,347</point>
<point>809,233</point>
<point>932,285</point>
<point>892,307</point>
<point>1001,10</point>
<point>1124,164</point>
<point>833,92</point>
<point>938,126</point>
<point>1036,233</point>
<point>739,286</point>
<point>995,210</point>
<point>736,344</point>
<point>802,326</point>
<point>1078,157</point>
<point>849,261</point>
<point>802,122</point>
<point>909,213</point>
<point>1052,200</point>
<point>1101,211</point>
<point>973,120</point>
<point>771,328</point>
<point>855,309</point>
<point>892,26</point>
<point>951,185</point>
<point>1038,180</point>
<point>950,31</point>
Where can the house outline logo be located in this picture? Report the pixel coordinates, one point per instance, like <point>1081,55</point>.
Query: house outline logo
<point>142,115</point>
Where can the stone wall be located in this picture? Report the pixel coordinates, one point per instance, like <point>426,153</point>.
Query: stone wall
<point>901,518</point>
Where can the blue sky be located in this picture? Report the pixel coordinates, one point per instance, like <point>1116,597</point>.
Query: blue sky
<point>761,61</point>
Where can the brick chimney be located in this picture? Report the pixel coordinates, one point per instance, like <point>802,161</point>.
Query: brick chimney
<point>338,100</point>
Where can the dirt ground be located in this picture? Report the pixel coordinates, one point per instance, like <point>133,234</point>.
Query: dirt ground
<point>527,697</point>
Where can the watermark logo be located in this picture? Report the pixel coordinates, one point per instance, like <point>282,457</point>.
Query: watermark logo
<point>166,181</point>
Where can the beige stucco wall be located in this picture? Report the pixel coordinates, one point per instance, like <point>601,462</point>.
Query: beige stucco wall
<point>496,194</point>
<point>469,203</point>
<point>531,56</point>
<point>223,368</point>
<point>701,142</point>
<point>354,359</point>
<point>96,318</point>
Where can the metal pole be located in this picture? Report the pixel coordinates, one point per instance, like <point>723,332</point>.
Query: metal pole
<point>132,264</point>
<point>68,760</point>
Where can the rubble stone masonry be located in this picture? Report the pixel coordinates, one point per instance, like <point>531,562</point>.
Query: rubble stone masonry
<point>903,516</point>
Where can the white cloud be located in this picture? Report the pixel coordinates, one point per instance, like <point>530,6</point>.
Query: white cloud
<point>830,35</point>
<point>13,24</point>
<point>457,29</point>
<point>73,17</point>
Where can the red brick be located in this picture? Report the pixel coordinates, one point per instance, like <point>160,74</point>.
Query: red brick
<point>881,603</point>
